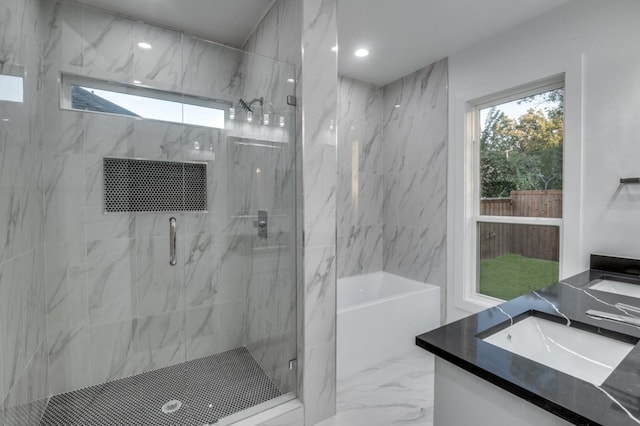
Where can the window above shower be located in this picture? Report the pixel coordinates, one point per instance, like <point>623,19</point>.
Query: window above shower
<point>88,94</point>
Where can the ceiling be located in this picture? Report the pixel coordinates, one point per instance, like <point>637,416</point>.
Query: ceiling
<point>406,35</point>
<point>401,35</point>
<point>229,22</point>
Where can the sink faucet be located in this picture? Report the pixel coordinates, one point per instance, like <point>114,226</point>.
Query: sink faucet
<point>624,319</point>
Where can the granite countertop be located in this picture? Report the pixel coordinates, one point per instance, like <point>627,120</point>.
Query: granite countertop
<point>615,402</point>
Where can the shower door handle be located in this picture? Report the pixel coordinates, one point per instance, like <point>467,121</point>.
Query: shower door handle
<point>172,242</point>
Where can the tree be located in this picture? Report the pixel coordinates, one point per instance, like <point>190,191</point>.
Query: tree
<point>523,153</point>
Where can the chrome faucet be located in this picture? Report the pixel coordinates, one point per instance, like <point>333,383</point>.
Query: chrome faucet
<point>624,319</point>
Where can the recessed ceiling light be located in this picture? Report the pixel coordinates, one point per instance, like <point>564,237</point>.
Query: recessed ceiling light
<point>334,48</point>
<point>290,80</point>
<point>396,106</point>
<point>361,53</point>
<point>143,45</point>
<point>137,82</point>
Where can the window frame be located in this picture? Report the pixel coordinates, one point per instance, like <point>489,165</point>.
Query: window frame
<point>535,88</point>
<point>69,80</point>
<point>463,205</point>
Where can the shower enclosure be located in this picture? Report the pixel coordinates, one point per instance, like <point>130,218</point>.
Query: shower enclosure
<point>162,309</point>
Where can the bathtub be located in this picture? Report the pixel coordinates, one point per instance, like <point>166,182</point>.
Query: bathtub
<point>379,316</point>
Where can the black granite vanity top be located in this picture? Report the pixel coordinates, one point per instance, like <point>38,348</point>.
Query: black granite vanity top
<point>615,402</point>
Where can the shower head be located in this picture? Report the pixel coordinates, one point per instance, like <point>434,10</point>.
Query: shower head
<point>247,105</point>
<point>244,105</point>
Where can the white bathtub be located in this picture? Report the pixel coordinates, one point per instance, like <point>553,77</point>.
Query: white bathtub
<point>379,316</point>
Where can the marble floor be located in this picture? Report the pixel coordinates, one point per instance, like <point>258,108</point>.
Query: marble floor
<point>396,392</point>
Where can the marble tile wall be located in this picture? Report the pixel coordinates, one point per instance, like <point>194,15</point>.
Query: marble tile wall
<point>23,362</point>
<point>319,92</point>
<point>415,176</point>
<point>109,285</point>
<point>360,195</point>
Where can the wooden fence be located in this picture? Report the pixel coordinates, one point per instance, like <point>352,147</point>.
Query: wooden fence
<point>540,242</point>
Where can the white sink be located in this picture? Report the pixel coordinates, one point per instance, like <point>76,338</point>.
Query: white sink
<point>617,287</point>
<point>587,356</point>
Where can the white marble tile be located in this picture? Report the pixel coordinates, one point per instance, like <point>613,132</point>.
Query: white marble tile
<point>62,25</point>
<point>399,391</point>
<point>64,129</point>
<point>11,46</point>
<point>108,135</point>
<point>215,270</point>
<point>399,244</point>
<point>368,205</point>
<point>319,380</point>
<point>272,349</point>
<point>108,42</point>
<point>410,199</point>
<point>320,287</point>
<point>344,199</point>
<point>21,221</point>
<point>232,314</point>
<point>392,194</point>
<point>155,140</point>
<point>276,34</point>
<point>111,280</point>
<point>204,336</point>
<point>371,150</point>
<point>69,360</point>
<point>320,200</point>
<point>319,140</point>
<point>64,177</point>
<point>159,285</point>
<point>400,151</point>
<point>360,250</point>
<point>360,137</point>
<point>415,135</point>
<point>420,91</point>
<point>114,352</point>
<point>66,280</point>
<point>200,57</point>
<point>160,66</point>
<point>21,318</point>
<point>161,340</point>
<point>272,295</point>
<point>25,402</point>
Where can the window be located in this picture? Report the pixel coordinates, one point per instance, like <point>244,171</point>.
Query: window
<point>518,158</point>
<point>85,94</point>
<point>11,88</point>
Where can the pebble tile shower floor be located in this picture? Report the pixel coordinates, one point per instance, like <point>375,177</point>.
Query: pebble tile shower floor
<point>209,388</point>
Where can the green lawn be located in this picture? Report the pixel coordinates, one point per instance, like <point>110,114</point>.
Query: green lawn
<point>512,275</point>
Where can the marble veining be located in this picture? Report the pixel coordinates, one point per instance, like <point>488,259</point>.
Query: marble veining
<point>360,212</point>
<point>555,308</point>
<point>573,399</point>
<point>415,157</point>
<point>398,391</point>
<point>319,140</point>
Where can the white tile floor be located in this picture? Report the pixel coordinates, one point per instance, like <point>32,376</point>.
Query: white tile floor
<point>396,392</point>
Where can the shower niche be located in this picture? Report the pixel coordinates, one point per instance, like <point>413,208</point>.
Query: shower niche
<point>135,185</point>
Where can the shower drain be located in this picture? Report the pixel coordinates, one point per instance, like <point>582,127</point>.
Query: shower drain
<point>171,406</point>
